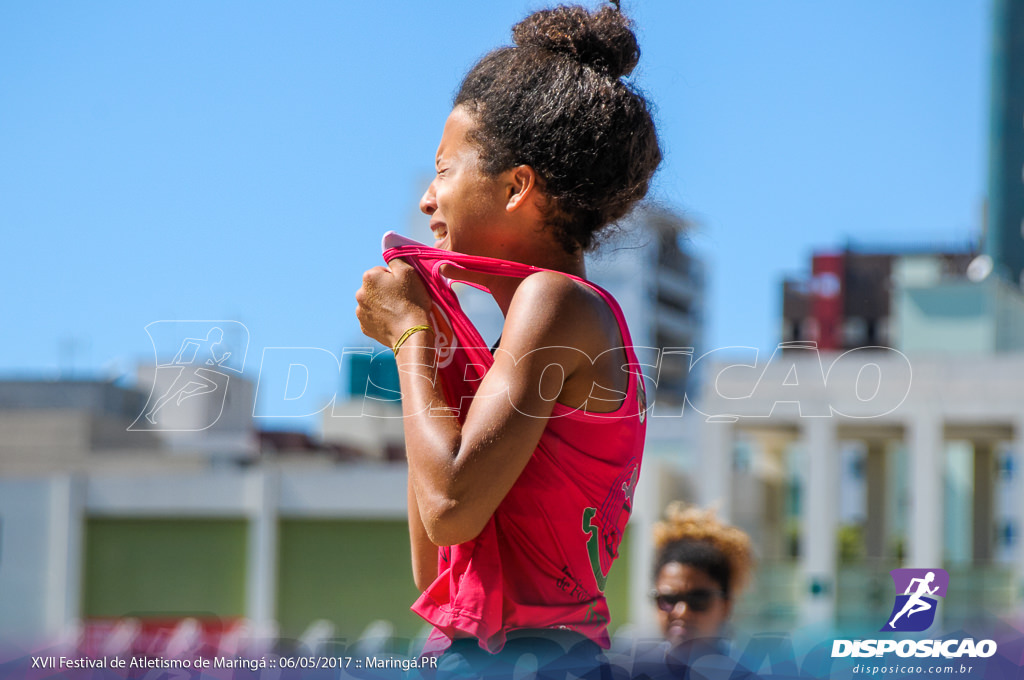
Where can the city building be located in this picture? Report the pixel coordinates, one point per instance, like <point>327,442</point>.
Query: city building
<point>886,429</point>
<point>650,267</point>
<point>848,299</point>
<point>120,537</point>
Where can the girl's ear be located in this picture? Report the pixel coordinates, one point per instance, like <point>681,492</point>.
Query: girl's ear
<point>521,187</point>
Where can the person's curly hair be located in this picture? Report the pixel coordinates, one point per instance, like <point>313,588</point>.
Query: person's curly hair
<point>557,102</point>
<point>697,538</point>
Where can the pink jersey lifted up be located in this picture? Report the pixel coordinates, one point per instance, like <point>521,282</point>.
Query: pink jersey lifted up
<point>543,558</point>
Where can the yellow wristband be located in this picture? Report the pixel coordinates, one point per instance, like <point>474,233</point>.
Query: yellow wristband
<point>406,335</point>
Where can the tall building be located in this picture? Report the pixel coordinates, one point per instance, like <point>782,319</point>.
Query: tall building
<point>1003,241</point>
<point>660,283</point>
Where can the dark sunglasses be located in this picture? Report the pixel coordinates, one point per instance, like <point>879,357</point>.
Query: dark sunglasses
<point>698,599</point>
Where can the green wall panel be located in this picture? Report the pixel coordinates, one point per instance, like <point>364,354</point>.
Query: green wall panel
<point>348,572</point>
<point>164,567</point>
<point>355,572</point>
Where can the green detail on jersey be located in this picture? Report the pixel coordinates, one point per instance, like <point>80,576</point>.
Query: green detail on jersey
<point>593,547</point>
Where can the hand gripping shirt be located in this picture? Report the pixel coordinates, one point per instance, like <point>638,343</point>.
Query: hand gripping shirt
<point>543,558</point>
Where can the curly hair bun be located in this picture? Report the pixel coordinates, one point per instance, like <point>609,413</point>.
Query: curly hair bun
<point>558,103</point>
<point>602,40</point>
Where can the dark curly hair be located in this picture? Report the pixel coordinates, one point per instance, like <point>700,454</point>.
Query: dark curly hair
<point>557,102</point>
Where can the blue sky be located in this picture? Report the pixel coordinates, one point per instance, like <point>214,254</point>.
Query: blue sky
<point>240,161</point>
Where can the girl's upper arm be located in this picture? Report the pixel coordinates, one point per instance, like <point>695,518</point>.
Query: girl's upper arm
<point>539,352</point>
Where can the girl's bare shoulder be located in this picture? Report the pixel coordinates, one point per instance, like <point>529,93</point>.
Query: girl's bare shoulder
<point>562,309</point>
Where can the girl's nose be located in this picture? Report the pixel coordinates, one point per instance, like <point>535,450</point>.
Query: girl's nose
<point>428,202</point>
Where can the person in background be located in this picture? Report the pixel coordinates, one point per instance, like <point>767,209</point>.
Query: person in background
<point>700,568</point>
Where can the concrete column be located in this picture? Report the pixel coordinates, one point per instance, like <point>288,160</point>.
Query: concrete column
<point>818,541</point>
<point>1017,454</point>
<point>716,451</point>
<point>984,501</point>
<point>65,547</point>
<point>875,530</point>
<point>261,562</point>
<point>773,528</point>
<point>771,471</point>
<point>927,459</point>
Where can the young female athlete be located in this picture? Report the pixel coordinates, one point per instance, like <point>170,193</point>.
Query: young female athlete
<point>518,496</point>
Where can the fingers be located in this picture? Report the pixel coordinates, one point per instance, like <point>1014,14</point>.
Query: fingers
<point>372,274</point>
<point>398,262</point>
<point>388,299</point>
<point>402,270</point>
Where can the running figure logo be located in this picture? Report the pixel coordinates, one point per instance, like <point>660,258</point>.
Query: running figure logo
<point>914,610</point>
<point>199,373</point>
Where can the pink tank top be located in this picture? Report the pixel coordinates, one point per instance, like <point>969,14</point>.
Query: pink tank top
<point>543,558</point>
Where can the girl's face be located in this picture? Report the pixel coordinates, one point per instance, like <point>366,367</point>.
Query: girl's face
<point>691,604</point>
<point>466,206</point>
